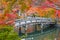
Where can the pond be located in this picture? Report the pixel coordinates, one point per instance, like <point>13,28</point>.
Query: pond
<point>48,35</point>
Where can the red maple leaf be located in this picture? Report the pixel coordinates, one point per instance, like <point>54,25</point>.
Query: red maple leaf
<point>58,13</point>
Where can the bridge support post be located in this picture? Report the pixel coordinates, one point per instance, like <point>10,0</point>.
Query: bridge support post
<point>42,27</point>
<point>26,30</point>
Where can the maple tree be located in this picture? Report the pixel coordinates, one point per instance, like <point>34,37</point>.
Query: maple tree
<point>12,6</point>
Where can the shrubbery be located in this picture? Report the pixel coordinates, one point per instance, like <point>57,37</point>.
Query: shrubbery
<point>7,33</point>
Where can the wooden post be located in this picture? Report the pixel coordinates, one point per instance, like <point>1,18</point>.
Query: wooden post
<point>42,27</point>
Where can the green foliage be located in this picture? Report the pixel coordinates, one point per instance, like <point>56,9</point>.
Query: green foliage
<point>43,0</point>
<point>49,13</point>
<point>23,4</point>
<point>24,7</point>
<point>12,36</point>
<point>7,33</point>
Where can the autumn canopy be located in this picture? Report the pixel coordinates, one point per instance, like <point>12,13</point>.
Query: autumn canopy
<point>9,9</point>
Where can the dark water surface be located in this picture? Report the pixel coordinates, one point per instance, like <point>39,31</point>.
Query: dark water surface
<point>47,35</point>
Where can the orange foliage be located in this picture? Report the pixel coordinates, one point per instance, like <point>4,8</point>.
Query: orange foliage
<point>53,16</point>
<point>53,0</point>
<point>4,4</point>
<point>43,12</point>
<point>40,12</point>
<point>51,12</point>
<point>56,0</point>
<point>5,18</point>
<point>1,15</point>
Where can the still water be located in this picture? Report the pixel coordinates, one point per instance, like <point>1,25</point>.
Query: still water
<point>48,35</point>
